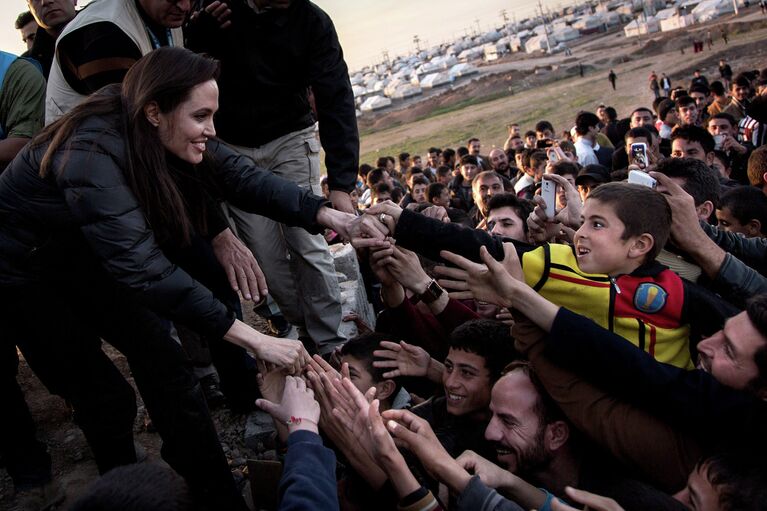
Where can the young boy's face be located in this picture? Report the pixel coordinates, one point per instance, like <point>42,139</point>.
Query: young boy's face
<point>419,193</point>
<point>443,199</point>
<point>727,222</point>
<point>598,244</point>
<point>381,198</point>
<point>467,383</point>
<point>468,171</point>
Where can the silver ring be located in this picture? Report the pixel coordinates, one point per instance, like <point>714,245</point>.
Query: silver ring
<point>382,218</point>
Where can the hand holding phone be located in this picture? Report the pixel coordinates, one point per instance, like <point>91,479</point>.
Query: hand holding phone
<point>549,195</point>
<point>638,155</point>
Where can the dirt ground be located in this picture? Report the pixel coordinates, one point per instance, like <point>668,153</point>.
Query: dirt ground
<point>545,88</point>
<point>73,464</point>
<point>521,95</point>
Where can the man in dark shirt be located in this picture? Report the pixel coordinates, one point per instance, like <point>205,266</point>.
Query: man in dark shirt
<point>272,55</point>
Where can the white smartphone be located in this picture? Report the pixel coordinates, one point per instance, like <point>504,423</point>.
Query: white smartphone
<point>638,177</point>
<point>549,194</point>
<point>718,142</point>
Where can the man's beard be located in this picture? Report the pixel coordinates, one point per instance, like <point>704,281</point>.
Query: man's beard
<point>536,458</point>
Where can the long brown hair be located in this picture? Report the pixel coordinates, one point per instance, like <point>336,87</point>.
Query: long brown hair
<point>165,76</point>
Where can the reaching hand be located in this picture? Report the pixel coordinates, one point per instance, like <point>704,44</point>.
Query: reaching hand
<point>240,266</point>
<point>684,218</point>
<point>378,259</point>
<point>285,353</point>
<point>403,359</point>
<point>342,201</point>
<point>490,473</point>
<point>271,381</point>
<point>386,212</point>
<point>297,408</point>
<point>489,282</point>
<point>405,266</point>
<point>570,215</point>
<point>437,213</point>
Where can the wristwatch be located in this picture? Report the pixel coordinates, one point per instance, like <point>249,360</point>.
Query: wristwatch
<point>433,291</point>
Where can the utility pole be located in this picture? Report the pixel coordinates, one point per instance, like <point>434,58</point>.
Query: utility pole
<point>505,18</point>
<point>417,42</point>
<point>479,30</point>
<point>545,28</point>
<point>386,57</point>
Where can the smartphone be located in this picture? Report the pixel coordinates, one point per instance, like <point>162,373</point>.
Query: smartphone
<point>638,177</point>
<point>549,194</point>
<point>638,155</point>
<point>544,143</point>
<point>719,142</point>
<point>553,156</point>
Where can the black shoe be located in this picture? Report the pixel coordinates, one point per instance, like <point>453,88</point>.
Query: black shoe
<point>212,392</point>
<point>278,325</point>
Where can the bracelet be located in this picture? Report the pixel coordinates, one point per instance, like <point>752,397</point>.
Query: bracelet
<point>297,421</point>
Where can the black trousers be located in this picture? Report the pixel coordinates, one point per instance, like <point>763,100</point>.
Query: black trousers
<point>25,458</point>
<point>58,325</point>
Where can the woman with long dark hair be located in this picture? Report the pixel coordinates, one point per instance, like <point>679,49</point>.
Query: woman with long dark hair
<point>86,211</point>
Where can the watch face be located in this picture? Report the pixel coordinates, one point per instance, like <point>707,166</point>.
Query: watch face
<point>433,291</point>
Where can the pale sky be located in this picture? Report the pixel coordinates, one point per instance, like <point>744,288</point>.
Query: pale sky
<point>367,27</point>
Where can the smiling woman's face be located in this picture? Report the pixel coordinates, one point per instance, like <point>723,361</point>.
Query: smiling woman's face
<point>185,130</point>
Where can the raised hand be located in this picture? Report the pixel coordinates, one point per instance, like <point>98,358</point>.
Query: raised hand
<point>402,359</point>
<point>297,408</point>
<point>285,353</point>
<point>490,473</point>
<point>488,282</point>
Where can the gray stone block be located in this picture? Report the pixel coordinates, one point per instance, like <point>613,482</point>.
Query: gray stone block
<point>259,428</point>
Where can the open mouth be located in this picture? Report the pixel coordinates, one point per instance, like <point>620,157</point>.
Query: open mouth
<point>200,146</point>
<point>455,398</point>
<point>581,251</point>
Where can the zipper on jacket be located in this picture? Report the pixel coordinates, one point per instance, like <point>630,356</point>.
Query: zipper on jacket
<point>615,283</point>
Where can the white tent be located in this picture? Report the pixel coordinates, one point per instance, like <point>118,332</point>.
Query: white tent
<point>470,54</point>
<point>562,35</point>
<point>436,79</point>
<point>375,103</point>
<point>460,70</point>
<point>635,28</point>
<point>537,43</point>
<point>403,90</point>
<point>589,24</point>
<point>710,9</point>
<point>676,22</point>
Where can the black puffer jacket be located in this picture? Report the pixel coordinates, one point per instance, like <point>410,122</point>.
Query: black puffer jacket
<point>83,214</point>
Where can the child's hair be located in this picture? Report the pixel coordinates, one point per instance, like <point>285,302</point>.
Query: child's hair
<point>434,191</point>
<point>641,209</point>
<point>700,180</point>
<point>420,180</point>
<point>537,158</point>
<point>745,204</point>
<point>443,170</point>
<point>396,194</point>
<point>380,188</point>
<point>362,348</point>
<point>522,207</point>
<point>566,168</point>
<point>490,340</point>
<point>692,133</point>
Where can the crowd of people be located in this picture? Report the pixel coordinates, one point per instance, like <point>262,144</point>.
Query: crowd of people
<point>576,318</point>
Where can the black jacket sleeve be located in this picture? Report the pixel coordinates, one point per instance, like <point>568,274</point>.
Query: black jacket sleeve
<point>114,226</point>
<point>752,251</point>
<point>334,100</point>
<point>428,236</point>
<point>689,399</point>
<point>259,191</point>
